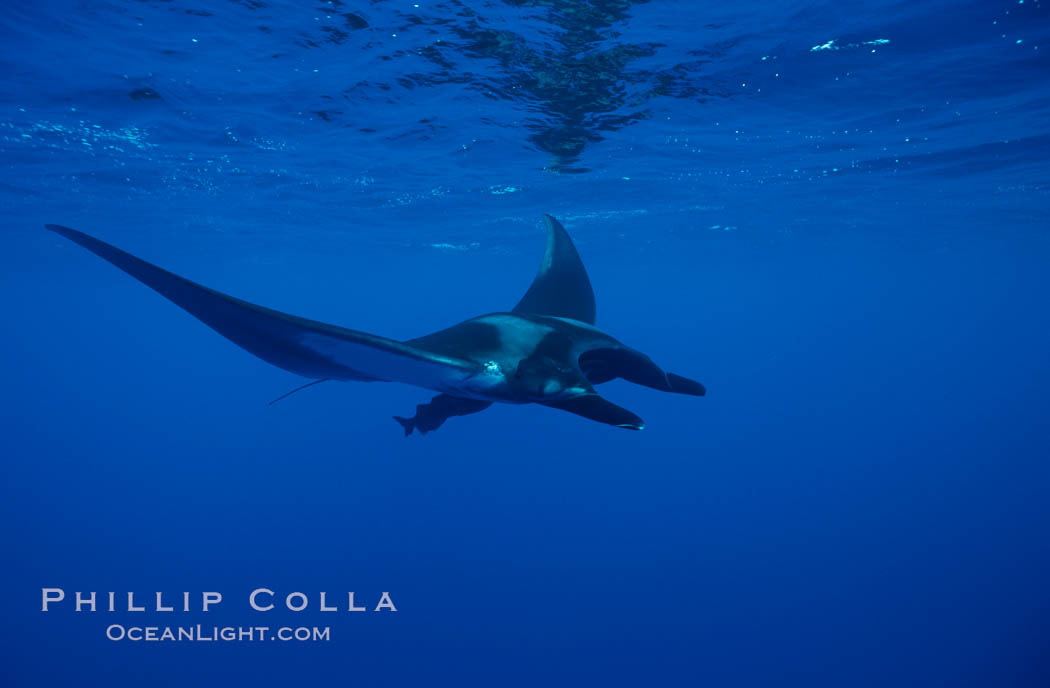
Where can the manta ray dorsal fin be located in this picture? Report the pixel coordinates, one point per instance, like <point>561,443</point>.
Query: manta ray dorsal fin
<point>561,287</point>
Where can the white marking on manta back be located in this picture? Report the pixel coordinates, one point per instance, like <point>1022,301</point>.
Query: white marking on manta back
<point>518,336</point>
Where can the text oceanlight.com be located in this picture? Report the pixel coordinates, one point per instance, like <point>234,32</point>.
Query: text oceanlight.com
<point>260,601</point>
<point>200,633</point>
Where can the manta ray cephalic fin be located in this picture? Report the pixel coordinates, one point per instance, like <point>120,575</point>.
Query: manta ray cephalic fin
<point>594,407</point>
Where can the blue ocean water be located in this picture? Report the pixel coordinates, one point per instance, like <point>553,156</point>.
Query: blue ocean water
<point>834,215</point>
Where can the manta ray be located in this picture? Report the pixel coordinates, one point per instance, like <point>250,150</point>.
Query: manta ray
<point>546,350</point>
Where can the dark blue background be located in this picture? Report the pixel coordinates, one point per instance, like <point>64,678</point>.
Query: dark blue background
<point>849,248</point>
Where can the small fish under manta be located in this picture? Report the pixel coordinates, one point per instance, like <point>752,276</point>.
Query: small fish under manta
<point>546,350</point>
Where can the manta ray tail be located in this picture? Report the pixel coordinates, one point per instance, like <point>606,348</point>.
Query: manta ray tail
<point>299,389</point>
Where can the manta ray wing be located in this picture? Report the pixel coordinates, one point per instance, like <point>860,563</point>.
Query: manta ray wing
<point>304,347</point>
<point>561,288</point>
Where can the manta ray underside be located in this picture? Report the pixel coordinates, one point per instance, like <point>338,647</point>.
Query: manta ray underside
<point>546,350</point>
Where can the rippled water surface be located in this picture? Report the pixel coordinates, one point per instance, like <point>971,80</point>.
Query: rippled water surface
<point>328,115</point>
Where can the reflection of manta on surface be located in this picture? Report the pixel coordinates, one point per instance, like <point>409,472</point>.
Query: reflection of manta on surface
<point>546,350</point>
